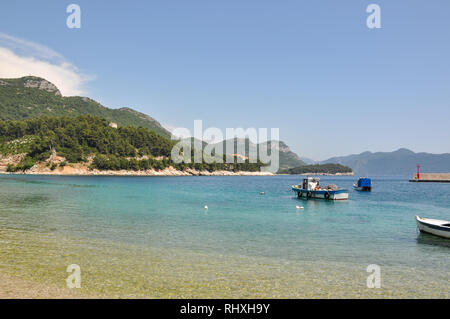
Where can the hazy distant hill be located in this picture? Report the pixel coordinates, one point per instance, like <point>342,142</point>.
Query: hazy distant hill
<point>31,97</point>
<point>308,161</point>
<point>400,162</point>
<point>288,159</point>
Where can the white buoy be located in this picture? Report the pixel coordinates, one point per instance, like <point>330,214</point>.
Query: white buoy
<point>300,207</point>
<point>206,207</point>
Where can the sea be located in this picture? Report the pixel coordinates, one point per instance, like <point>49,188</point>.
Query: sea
<point>220,237</point>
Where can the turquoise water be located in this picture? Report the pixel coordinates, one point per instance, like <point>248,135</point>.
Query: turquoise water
<point>168,213</point>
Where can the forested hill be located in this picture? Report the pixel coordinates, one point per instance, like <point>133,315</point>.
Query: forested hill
<point>91,140</point>
<point>319,169</point>
<point>77,138</point>
<point>32,97</point>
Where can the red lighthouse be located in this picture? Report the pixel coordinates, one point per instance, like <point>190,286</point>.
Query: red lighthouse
<point>418,171</point>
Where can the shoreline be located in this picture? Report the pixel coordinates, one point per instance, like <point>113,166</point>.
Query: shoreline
<point>83,169</point>
<point>130,175</point>
<point>163,173</point>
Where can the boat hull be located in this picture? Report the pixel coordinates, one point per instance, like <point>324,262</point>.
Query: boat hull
<point>341,194</point>
<point>362,188</point>
<point>434,227</point>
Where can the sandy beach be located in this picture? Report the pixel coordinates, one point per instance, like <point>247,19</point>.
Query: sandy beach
<point>18,288</point>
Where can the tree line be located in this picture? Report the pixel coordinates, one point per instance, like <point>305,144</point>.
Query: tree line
<point>319,168</point>
<point>78,138</point>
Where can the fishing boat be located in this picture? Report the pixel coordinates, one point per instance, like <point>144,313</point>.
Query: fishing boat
<point>436,227</point>
<point>311,189</point>
<point>363,184</point>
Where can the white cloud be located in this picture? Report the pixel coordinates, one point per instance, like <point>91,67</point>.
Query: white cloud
<point>19,57</point>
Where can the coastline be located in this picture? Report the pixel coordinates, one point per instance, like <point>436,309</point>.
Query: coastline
<point>84,171</point>
<point>80,169</point>
<point>166,172</point>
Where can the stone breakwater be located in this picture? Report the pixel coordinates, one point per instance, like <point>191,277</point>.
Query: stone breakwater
<point>432,177</point>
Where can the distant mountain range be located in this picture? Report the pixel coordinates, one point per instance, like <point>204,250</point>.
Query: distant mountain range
<point>31,97</point>
<point>400,162</point>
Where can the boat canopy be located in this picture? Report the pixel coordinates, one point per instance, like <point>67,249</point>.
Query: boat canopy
<point>312,179</point>
<point>364,182</point>
<point>310,183</point>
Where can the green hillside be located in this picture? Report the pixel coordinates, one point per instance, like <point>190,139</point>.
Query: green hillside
<point>79,138</point>
<point>32,97</point>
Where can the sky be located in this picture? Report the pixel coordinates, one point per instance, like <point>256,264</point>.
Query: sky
<point>313,69</point>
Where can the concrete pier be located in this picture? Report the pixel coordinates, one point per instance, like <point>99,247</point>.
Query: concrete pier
<point>432,178</point>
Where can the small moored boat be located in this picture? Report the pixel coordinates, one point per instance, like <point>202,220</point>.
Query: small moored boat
<point>310,188</point>
<point>436,227</point>
<point>363,184</point>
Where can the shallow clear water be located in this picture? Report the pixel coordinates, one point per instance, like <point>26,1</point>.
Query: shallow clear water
<point>167,214</point>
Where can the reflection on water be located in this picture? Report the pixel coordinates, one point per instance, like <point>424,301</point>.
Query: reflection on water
<point>428,239</point>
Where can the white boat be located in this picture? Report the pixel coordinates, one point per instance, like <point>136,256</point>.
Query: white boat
<point>310,189</point>
<point>436,227</point>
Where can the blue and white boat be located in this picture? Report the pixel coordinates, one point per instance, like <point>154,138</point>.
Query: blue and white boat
<point>435,227</point>
<point>311,189</point>
<point>363,184</point>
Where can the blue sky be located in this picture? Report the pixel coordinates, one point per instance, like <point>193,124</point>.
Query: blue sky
<point>311,68</point>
